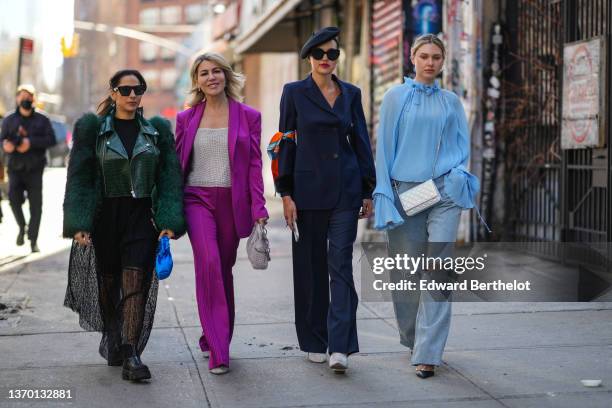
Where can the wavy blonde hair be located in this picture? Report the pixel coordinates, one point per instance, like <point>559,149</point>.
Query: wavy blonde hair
<point>421,40</point>
<point>234,81</point>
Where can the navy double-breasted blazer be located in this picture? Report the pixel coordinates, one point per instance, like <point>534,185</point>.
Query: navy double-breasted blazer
<point>330,165</point>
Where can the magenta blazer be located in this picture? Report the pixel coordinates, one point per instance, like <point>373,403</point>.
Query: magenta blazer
<point>244,135</point>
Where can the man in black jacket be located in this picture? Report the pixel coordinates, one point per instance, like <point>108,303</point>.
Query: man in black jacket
<point>26,135</point>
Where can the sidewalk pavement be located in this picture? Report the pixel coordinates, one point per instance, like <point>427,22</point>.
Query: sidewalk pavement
<point>498,354</point>
<point>50,234</point>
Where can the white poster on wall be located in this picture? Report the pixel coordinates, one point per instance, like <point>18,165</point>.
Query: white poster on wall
<point>583,97</point>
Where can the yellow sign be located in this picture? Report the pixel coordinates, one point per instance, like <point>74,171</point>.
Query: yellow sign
<point>70,50</point>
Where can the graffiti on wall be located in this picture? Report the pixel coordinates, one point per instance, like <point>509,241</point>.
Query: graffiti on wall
<point>386,59</point>
<point>421,17</point>
<point>463,76</point>
<point>489,142</point>
<point>462,35</point>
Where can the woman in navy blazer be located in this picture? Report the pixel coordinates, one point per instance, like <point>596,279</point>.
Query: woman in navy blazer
<point>325,176</point>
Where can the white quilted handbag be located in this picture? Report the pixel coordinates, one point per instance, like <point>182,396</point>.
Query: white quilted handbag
<point>258,247</point>
<point>421,197</point>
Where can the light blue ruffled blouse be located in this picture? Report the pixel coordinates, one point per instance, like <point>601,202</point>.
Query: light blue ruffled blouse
<point>413,116</point>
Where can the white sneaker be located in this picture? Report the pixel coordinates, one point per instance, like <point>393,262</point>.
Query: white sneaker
<point>219,370</point>
<point>317,357</point>
<point>206,354</point>
<point>338,362</point>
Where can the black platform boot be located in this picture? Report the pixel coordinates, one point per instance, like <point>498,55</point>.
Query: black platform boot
<point>115,357</point>
<point>133,368</point>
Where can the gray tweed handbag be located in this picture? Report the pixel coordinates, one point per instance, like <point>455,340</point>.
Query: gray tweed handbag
<point>258,247</point>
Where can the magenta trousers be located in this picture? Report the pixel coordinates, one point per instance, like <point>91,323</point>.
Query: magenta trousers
<point>210,225</point>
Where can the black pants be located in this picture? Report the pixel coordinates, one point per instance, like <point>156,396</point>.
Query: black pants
<point>30,182</point>
<point>323,264</point>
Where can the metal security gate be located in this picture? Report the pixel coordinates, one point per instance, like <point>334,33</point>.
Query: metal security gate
<point>553,194</point>
<point>588,195</point>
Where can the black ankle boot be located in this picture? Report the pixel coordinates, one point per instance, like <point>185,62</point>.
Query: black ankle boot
<point>20,237</point>
<point>133,368</point>
<point>115,358</point>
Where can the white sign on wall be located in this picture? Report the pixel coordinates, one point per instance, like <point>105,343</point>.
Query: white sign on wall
<point>584,83</point>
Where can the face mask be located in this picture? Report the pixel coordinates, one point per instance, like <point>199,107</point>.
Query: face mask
<point>26,104</point>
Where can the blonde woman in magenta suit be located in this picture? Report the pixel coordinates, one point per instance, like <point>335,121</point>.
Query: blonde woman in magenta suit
<point>218,144</point>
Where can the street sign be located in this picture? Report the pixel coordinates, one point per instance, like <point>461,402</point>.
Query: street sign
<point>27,46</point>
<point>25,65</point>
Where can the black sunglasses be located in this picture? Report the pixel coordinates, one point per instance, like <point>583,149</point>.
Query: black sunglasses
<point>126,90</point>
<point>332,53</point>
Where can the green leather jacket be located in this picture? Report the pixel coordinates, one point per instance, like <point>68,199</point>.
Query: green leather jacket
<point>122,176</point>
<point>99,167</point>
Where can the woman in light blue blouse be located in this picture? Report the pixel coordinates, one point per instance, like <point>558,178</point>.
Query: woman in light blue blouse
<point>415,118</point>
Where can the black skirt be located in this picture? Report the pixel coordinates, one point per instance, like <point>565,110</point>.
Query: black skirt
<point>123,236</point>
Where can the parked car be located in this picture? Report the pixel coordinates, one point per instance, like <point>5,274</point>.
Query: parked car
<point>57,156</point>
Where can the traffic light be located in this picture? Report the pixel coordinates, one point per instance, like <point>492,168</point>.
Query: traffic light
<point>70,50</point>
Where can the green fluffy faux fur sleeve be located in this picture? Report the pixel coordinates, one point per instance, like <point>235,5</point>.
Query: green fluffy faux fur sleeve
<point>82,194</point>
<point>168,194</point>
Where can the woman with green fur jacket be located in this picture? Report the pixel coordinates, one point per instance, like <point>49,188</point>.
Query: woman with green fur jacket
<point>123,193</point>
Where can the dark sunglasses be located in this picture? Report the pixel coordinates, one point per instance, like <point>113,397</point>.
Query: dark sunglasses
<point>126,90</point>
<point>332,53</point>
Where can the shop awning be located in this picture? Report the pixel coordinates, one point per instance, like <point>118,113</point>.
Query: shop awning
<point>269,33</point>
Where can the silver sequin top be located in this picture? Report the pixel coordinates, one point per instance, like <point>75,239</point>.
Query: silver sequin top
<point>211,166</point>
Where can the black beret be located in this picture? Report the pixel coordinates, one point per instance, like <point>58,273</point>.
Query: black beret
<point>318,38</point>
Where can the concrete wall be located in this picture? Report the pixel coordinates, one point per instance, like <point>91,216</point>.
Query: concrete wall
<point>266,74</point>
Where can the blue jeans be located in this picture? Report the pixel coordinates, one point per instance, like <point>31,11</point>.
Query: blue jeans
<point>423,317</point>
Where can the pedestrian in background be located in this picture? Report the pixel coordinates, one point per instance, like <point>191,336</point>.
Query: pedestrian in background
<point>423,126</point>
<point>325,175</point>
<point>123,193</point>
<point>218,143</point>
<point>26,135</point>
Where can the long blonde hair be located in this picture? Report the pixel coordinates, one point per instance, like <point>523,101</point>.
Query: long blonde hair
<point>234,81</point>
<point>427,39</point>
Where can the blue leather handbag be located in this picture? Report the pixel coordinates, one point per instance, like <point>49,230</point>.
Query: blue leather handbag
<point>163,259</point>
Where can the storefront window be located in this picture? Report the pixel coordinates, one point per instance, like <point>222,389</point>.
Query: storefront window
<point>194,13</point>
<point>149,16</point>
<point>152,78</point>
<point>171,15</point>
<point>148,52</point>
<point>168,78</point>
